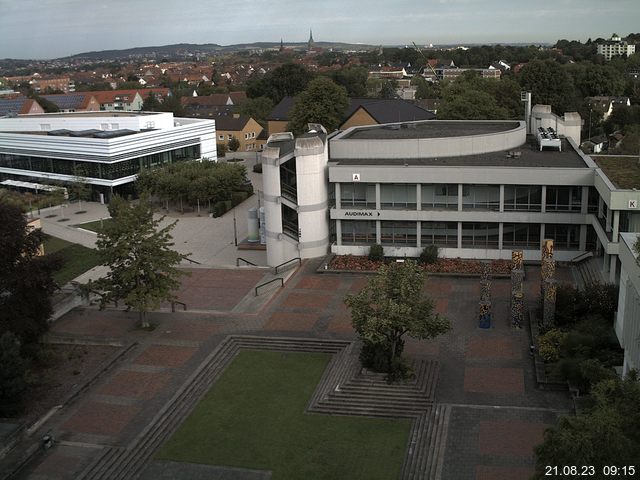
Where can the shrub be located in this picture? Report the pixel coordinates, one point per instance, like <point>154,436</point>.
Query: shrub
<point>429,254</point>
<point>238,197</point>
<point>376,253</point>
<point>219,208</point>
<point>549,345</point>
<point>221,149</point>
<point>13,370</point>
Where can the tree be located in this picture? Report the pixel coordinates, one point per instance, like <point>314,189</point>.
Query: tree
<point>354,79</point>
<point>80,187</point>
<point>12,375</point>
<point>257,108</point>
<point>234,144</point>
<point>607,434</point>
<point>322,102</point>
<point>390,306</point>
<point>631,141</point>
<point>388,89</point>
<point>286,80</point>
<point>151,103</point>
<point>142,266</point>
<point>550,84</point>
<point>26,281</point>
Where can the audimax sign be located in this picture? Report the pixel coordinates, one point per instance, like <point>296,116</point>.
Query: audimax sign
<point>361,213</point>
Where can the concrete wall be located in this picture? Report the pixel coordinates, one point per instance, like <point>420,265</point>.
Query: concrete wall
<point>344,147</point>
<point>569,125</point>
<point>627,323</point>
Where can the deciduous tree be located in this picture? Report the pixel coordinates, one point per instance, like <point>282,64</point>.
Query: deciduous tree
<point>143,269</point>
<point>322,102</point>
<point>393,305</point>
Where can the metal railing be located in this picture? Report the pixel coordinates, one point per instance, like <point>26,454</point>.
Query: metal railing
<point>245,261</point>
<point>269,282</point>
<point>581,257</point>
<point>297,259</point>
<point>192,261</point>
<point>173,305</point>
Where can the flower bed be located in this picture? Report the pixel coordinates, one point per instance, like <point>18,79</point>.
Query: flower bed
<point>442,265</point>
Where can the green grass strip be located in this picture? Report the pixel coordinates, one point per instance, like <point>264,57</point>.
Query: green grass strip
<point>253,417</point>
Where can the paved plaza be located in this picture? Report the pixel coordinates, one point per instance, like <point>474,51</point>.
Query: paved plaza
<point>486,377</point>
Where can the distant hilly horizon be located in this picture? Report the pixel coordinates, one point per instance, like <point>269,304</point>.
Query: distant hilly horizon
<point>208,48</point>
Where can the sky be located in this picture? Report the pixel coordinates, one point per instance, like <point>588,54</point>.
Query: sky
<point>43,29</point>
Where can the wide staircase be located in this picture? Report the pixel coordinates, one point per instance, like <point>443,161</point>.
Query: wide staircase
<point>588,272</point>
<point>343,390</point>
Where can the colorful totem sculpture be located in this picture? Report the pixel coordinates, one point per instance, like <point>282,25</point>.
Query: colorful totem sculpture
<point>485,295</point>
<point>517,290</point>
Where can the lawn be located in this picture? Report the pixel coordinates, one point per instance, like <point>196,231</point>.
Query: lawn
<point>253,417</point>
<point>76,259</point>
<point>624,172</point>
<point>94,226</point>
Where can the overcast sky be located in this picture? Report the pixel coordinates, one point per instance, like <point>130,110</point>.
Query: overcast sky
<point>55,28</point>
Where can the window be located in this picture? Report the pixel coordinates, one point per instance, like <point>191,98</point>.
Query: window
<point>564,236</point>
<point>564,199</point>
<point>480,235</point>
<point>104,126</point>
<point>398,195</point>
<point>45,126</point>
<point>229,137</point>
<point>440,196</point>
<point>441,234</point>
<point>358,232</point>
<point>115,126</point>
<point>221,137</point>
<point>290,222</point>
<point>358,195</point>
<point>398,233</point>
<point>521,235</point>
<point>481,197</point>
<point>522,198</point>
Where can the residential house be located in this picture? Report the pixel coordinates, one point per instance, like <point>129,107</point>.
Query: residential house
<point>64,84</point>
<point>74,102</point>
<point>361,111</point>
<point>606,104</point>
<point>242,127</point>
<point>19,106</point>
<point>615,46</point>
<point>119,100</point>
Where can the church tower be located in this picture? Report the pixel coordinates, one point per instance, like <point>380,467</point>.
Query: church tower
<point>310,42</point>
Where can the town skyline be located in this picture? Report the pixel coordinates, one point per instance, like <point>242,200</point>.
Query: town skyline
<point>50,29</point>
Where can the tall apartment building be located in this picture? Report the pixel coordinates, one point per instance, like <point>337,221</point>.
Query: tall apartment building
<point>614,47</point>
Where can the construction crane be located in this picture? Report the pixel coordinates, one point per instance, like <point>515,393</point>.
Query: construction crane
<point>417,48</point>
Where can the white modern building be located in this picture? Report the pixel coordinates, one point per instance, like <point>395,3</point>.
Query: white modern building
<point>476,189</point>
<point>614,47</point>
<point>108,149</point>
<point>627,324</point>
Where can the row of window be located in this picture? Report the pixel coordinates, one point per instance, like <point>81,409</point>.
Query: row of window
<point>445,234</point>
<point>107,171</point>
<point>474,197</point>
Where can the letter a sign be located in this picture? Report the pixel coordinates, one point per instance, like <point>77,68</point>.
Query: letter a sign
<point>356,177</point>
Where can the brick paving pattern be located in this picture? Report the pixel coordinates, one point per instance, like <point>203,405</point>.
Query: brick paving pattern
<point>485,376</point>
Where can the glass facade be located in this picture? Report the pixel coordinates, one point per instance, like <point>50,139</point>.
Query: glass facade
<point>564,199</point>
<point>565,237</point>
<point>398,195</point>
<point>442,234</point>
<point>288,180</point>
<point>102,170</point>
<point>358,195</point>
<point>481,197</point>
<point>522,198</point>
<point>290,222</point>
<point>480,235</point>
<point>398,233</point>
<point>521,235</point>
<point>356,232</point>
<point>439,196</point>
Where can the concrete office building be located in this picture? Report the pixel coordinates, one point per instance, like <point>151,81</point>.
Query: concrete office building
<point>476,189</point>
<point>108,149</point>
<point>627,324</point>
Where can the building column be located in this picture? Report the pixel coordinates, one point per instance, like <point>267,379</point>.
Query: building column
<point>613,264</point>
<point>460,192</point>
<point>459,234</point>
<point>338,193</point>
<point>500,231</point>
<point>616,225</point>
<point>418,196</point>
<point>584,207</point>
<point>542,234</point>
<point>600,206</point>
<point>339,233</point>
<point>501,203</point>
<point>583,238</point>
<point>608,221</point>
<point>543,202</point>
<point>418,234</point>
<point>378,201</point>
<point>378,232</point>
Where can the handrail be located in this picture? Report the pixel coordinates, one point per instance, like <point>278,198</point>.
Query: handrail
<point>192,261</point>
<point>267,283</point>
<point>298,259</point>
<point>173,305</point>
<point>245,261</point>
<point>581,257</point>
